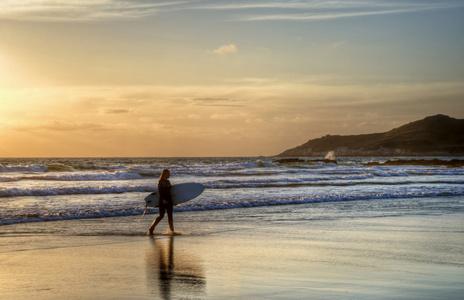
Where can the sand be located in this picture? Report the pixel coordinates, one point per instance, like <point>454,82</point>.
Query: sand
<point>251,253</point>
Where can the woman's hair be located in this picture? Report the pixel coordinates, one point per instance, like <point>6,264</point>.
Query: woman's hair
<point>164,173</point>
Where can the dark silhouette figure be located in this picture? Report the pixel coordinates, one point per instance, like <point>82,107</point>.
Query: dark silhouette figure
<point>165,201</point>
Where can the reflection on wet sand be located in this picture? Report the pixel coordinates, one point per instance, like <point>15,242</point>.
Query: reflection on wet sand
<point>173,274</point>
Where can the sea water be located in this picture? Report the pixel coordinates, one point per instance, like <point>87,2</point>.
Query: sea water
<point>47,189</point>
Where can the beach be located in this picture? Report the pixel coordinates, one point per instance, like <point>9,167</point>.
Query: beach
<point>305,251</point>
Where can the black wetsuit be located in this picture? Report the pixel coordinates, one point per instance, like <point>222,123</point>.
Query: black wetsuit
<point>164,190</point>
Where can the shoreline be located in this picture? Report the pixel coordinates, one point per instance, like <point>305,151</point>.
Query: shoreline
<point>275,252</point>
<point>226,157</point>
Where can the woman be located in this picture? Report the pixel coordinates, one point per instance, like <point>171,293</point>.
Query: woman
<point>165,201</point>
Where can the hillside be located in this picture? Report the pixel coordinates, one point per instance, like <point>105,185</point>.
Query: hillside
<point>434,135</point>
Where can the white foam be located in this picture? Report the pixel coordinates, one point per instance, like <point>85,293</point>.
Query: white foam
<point>128,211</point>
<point>16,192</point>
<point>39,190</point>
<point>7,169</point>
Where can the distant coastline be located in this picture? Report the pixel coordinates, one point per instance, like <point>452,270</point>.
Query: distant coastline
<point>433,136</point>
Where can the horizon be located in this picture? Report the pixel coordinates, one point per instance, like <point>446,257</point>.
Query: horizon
<point>112,78</point>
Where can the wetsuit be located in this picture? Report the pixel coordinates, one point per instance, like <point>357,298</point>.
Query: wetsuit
<point>164,190</point>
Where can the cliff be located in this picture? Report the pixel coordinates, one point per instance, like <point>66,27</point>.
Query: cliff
<point>432,136</point>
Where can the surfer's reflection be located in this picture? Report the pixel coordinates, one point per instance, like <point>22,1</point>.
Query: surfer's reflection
<point>173,275</point>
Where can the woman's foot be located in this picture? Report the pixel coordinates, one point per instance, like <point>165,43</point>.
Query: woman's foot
<point>150,231</point>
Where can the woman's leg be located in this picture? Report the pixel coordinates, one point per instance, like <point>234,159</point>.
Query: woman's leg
<point>170,209</point>
<point>157,220</point>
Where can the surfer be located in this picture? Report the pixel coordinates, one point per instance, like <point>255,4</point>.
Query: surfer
<point>165,201</point>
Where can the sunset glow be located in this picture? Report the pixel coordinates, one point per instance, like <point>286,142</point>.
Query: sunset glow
<point>207,78</point>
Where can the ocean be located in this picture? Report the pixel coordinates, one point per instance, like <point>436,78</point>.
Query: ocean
<point>48,189</point>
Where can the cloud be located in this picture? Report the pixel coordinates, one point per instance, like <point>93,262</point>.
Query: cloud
<point>228,116</point>
<point>55,125</point>
<point>278,112</point>
<point>315,10</point>
<point>215,101</point>
<point>78,10</point>
<point>323,15</point>
<point>211,99</point>
<point>310,10</point>
<point>292,119</point>
<point>225,49</point>
<point>115,111</point>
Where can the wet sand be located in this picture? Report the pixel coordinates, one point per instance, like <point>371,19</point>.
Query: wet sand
<point>255,253</point>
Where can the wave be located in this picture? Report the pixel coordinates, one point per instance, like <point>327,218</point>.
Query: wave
<point>10,179</point>
<point>73,166</point>
<point>325,184</point>
<point>11,169</point>
<point>88,177</point>
<point>67,215</point>
<point>205,169</point>
<point>128,210</point>
<point>236,178</point>
<point>16,192</point>
<point>97,167</point>
<point>224,184</point>
<point>57,167</point>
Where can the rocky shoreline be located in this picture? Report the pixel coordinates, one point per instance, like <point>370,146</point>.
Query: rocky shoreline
<point>298,160</point>
<point>454,163</point>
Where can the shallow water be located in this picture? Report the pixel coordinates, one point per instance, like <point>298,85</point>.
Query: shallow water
<point>384,249</point>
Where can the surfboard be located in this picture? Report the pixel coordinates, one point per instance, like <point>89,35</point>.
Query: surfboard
<point>180,193</point>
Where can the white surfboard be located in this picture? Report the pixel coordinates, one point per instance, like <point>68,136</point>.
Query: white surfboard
<point>180,193</point>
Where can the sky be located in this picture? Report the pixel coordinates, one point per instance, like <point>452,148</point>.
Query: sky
<point>96,78</point>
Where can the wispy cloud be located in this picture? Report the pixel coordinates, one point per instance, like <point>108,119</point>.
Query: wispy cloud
<point>245,10</point>
<point>215,101</point>
<point>228,116</point>
<point>302,4</point>
<point>315,10</point>
<point>319,16</point>
<point>115,111</point>
<point>55,125</point>
<point>78,10</point>
<point>225,49</point>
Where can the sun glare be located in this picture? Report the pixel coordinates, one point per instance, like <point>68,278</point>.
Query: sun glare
<point>8,73</point>
<point>3,71</point>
